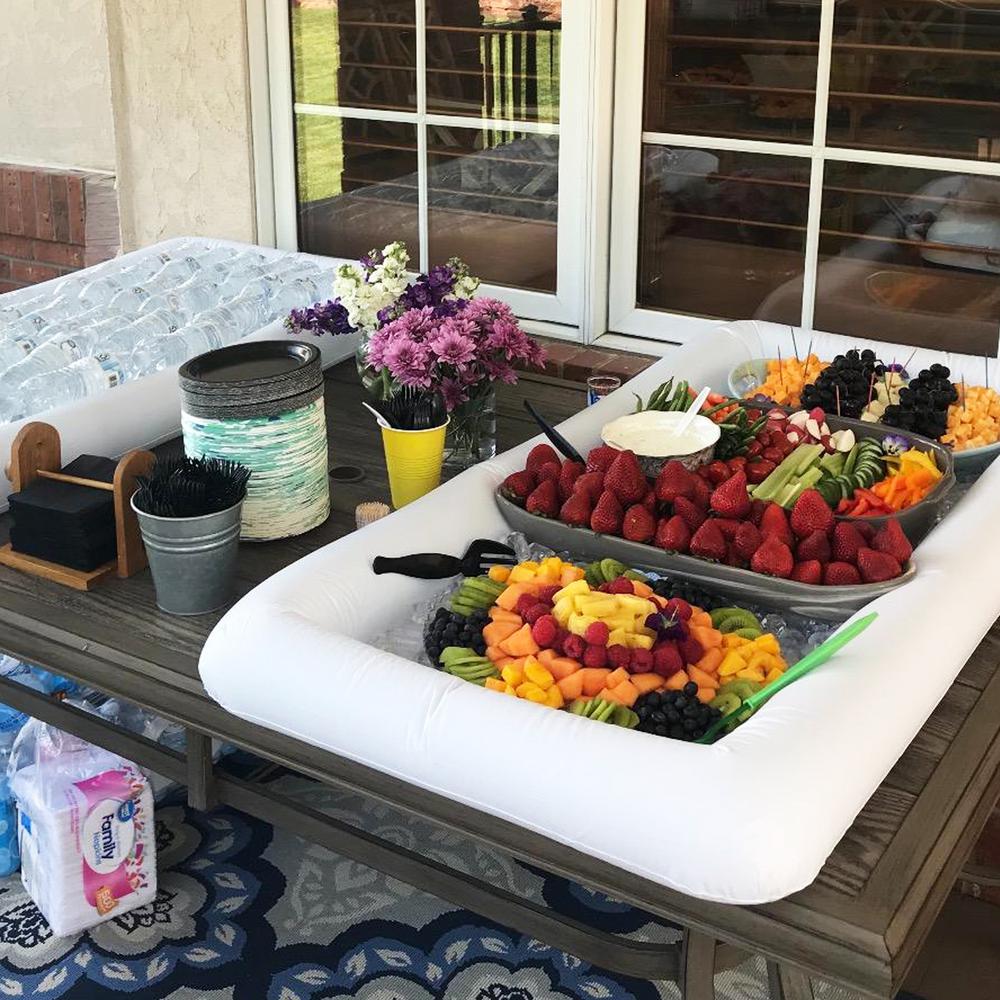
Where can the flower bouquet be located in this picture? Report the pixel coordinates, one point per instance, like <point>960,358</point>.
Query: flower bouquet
<point>430,334</point>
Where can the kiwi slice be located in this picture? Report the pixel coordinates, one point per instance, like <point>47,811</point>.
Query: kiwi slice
<point>592,574</point>
<point>748,633</point>
<point>625,717</point>
<point>611,569</point>
<point>634,574</point>
<point>730,619</point>
<point>741,687</point>
<point>726,702</point>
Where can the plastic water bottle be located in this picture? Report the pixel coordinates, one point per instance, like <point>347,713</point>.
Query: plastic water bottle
<point>11,722</point>
<point>156,353</point>
<point>14,350</point>
<point>294,295</point>
<point>243,314</point>
<point>82,378</point>
<point>188,299</point>
<point>47,357</point>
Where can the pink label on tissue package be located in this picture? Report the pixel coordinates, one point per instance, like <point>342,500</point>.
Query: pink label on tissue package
<point>107,837</point>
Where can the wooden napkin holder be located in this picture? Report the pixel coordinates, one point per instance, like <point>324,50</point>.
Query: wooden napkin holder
<point>37,454</point>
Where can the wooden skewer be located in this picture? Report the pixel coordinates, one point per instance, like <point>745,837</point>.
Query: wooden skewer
<point>909,359</point>
<point>871,387</point>
<point>809,354</point>
<point>795,346</point>
<point>836,389</point>
<point>781,370</point>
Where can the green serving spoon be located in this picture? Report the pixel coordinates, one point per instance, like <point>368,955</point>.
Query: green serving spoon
<point>810,661</point>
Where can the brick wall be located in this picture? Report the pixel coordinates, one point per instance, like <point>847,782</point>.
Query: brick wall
<point>53,222</point>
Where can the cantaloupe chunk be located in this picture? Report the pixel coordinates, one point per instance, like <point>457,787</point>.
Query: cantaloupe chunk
<point>616,677</point>
<point>496,632</point>
<point>708,637</point>
<point>626,692</point>
<point>593,679</point>
<point>647,682</point>
<point>499,614</point>
<point>711,660</point>
<point>571,686</point>
<point>520,643</point>
<point>676,681</point>
<point>605,695</point>
<point>706,694</point>
<point>563,666</point>
<point>702,679</point>
<point>500,664</point>
<point>495,654</point>
<point>495,684</point>
<point>700,618</point>
<point>570,574</point>
<point>509,598</point>
<point>546,656</point>
<point>641,589</point>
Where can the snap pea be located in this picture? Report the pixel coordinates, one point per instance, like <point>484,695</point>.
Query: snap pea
<point>680,398</point>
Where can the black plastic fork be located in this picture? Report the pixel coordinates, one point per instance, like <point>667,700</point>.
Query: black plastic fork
<point>479,556</point>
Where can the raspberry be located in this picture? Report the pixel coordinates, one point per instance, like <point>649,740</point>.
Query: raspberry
<point>547,594</point>
<point>574,647</point>
<point>667,660</point>
<point>678,608</point>
<point>545,630</point>
<point>641,661</point>
<point>597,634</point>
<point>536,611</point>
<point>524,604</point>
<point>619,656</point>
<point>623,585</point>
<point>595,656</point>
<point>559,645</point>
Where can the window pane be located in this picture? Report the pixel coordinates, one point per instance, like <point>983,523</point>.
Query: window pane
<point>492,199</point>
<point>357,53</point>
<point>911,256</point>
<point>917,77</point>
<point>494,58</point>
<point>720,232</point>
<point>735,68</point>
<point>357,184</point>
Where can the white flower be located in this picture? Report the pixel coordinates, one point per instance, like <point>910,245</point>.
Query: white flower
<point>364,296</point>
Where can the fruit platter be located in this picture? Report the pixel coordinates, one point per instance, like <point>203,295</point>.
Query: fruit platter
<point>316,651</point>
<point>858,384</point>
<point>607,643</point>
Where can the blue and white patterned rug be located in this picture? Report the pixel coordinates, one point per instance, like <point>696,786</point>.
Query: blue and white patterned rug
<point>247,912</point>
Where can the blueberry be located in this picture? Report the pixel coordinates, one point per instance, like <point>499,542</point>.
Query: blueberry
<point>676,732</point>
<point>660,730</point>
<point>680,702</point>
<point>691,689</point>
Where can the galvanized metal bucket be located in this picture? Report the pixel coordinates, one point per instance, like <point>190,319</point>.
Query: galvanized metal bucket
<point>192,559</point>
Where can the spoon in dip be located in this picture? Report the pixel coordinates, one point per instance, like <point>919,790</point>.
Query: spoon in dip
<point>692,411</point>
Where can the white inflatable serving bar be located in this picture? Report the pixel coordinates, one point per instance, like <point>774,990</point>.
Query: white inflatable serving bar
<point>746,821</point>
<point>145,412</point>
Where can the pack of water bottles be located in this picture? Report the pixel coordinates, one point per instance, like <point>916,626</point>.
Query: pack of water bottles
<point>124,319</point>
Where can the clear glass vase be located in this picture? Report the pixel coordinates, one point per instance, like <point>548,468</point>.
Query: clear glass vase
<point>472,432</point>
<point>376,384</point>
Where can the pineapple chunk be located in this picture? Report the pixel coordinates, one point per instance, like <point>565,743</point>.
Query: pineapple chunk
<point>618,637</point>
<point>578,624</point>
<point>598,605</point>
<point>637,641</point>
<point>562,610</point>
<point>554,698</point>
<point>572,589</point>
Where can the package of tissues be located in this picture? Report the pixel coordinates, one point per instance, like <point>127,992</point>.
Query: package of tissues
<point>85,829</point>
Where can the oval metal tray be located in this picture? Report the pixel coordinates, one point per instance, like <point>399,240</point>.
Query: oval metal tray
<point>825,603</point>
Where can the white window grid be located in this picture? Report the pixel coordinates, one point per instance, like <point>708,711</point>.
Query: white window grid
<point>624,315</point>
<point>564,311</point>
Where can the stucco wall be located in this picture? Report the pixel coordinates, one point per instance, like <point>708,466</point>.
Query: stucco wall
<point>180,90</point>
<point>55,93</point>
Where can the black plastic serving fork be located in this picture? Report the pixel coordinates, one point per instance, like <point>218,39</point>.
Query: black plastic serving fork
<point>479,557</point>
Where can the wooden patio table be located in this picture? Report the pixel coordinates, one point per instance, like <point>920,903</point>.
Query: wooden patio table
<point>860,924</point>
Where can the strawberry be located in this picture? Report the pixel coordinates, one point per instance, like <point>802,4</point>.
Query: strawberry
<point>840,574</point>
<point>541,454</point>
<point>608,515</point>
<point>773,558</point>
<point>810,571</point>
<point>774,521</point>
<point>638,525</point>
<point>702,494</point>
<point>816,545</point>
<point>691,650</point>
<point>674,481</point>
<point>667,659</point>
<point>757,508</point>
<point>866,530</point>
<point>550,470</point>
<point>732,557</point>
<point>544,499</point>
<point>759,470</point>
<point>693,516</point>
<point>625,478</point>
<point>576,510</point>
<point>597,634</point>
<point>649,501</point>
<point>641,661</point>
<point>591,483</point>
<point>731,499</point>
<point>599,459</point>
<point>846,542</point>
<point>875,566</point>
<point>811,513</point>
<point>728,526</point>
<point>595,656</point>
<point>517,487</point>
<point>569,474</point>
<point>708,542</point>
<point>746,541</point>
<point>619,656</point>
<point>672,534</point>
<point>891,540</point>
<point>716,472</point>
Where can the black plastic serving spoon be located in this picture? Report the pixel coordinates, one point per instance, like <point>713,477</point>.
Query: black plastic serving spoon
<point>561,444</point>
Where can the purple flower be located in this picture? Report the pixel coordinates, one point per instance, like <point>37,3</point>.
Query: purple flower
<point>319,319</point>
<point>508,339</point>
<point>452,346</point>
<point>498,370</point>
<point>453,392</point>
<point>408,363</point>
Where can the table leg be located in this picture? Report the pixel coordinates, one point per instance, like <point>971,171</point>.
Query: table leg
<point>788,983</point>
<point>200,783</point>
<point>697,972</point>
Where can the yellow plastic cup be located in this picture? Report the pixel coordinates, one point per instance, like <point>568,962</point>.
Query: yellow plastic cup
<point>413,460</point>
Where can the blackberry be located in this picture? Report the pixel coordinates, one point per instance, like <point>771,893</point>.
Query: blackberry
<point>447,628</point>
<point>676,714</point>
